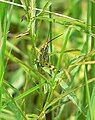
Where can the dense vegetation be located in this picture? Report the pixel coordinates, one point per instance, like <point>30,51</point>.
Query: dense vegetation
<point>47,59</point>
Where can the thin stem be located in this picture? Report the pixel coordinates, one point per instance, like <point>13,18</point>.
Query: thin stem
<point>3,47</point>
<point>86,70</point>
<point>92,38</point>
<point>50,31</point>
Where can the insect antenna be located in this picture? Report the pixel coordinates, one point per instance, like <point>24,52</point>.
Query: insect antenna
<point>54,38</point>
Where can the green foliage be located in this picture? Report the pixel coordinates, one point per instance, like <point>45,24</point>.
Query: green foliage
<point>46,63</point>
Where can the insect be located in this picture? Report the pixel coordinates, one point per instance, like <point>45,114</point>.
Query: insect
<point>44,55</point>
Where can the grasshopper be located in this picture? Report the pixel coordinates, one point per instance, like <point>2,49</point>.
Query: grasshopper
<point>44,55</point>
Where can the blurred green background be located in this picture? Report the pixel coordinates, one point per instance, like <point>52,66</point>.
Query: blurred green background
<point>26,87</point>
